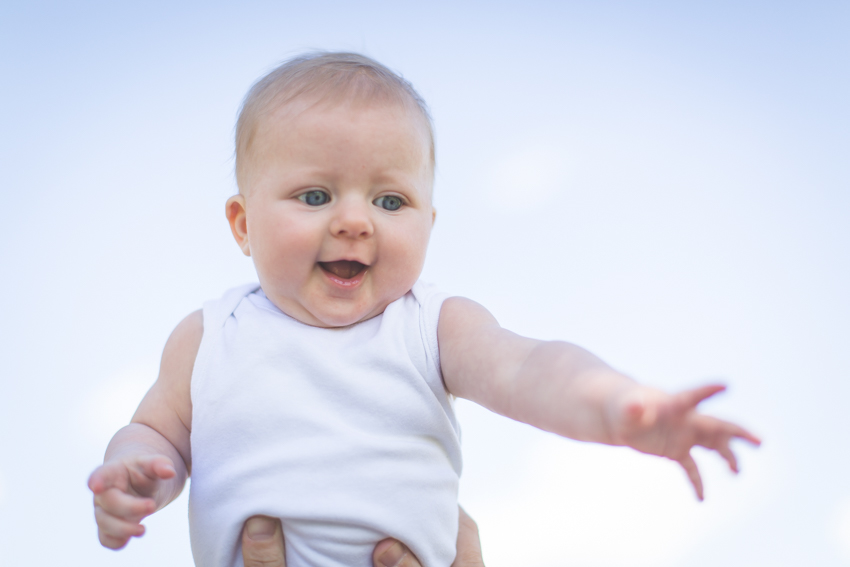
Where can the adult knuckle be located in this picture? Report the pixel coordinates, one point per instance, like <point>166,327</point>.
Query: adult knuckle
<point>409,560</point>
<point>264,561</point>
<point>263,556</point>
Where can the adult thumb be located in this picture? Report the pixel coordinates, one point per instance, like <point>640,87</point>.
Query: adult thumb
<point>262,542</point>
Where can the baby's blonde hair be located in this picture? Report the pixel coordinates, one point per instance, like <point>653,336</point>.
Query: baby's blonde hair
<point>323,76</point>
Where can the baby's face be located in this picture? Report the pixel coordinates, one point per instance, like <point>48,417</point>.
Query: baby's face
<point>336,209</point>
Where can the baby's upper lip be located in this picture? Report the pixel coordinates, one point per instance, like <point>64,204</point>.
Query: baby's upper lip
<point>345,259</point>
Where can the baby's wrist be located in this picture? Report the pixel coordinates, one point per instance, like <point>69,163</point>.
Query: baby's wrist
<point>616,409</point>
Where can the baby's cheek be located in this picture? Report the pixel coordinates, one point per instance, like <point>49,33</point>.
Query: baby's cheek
<point>287,255</point>
<point>408,250</point>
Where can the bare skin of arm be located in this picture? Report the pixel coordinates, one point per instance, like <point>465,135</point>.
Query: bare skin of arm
<point>147,463</point>
<point>562,388</point>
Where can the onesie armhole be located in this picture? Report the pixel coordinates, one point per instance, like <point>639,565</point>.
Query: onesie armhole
<point>430,301</point>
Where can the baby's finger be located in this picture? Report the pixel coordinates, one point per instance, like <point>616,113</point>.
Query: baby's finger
<point>116,528</point>
<point>741,433</point>
<point>726,453</point>
<point>123,505</point>
<point>108,476</point>
<point>690,467</point>
<point>712,432</point>
<point>111,542</point>
<point>690,398</point>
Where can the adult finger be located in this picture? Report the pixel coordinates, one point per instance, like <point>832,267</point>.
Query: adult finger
<point>468,542</point>
<point>690,467</point>
<point>691,398</point>
<point>393,553</point>
<point>262,542</point>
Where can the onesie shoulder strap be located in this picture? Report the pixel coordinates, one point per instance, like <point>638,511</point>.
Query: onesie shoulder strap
<point>217,311</point>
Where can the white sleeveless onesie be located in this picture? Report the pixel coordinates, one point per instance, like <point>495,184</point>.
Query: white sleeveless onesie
<point>347,435</point>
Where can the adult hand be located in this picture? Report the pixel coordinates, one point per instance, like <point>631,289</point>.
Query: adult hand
<point>262,546</point>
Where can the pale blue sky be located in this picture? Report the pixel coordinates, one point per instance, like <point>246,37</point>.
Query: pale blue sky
<point>666,185</point>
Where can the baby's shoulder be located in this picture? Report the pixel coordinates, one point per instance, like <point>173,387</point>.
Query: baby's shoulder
<point>178,360</point>
<point>185,340</point>
<point>167,407</point>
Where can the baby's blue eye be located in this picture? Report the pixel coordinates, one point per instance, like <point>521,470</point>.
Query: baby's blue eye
<point>315,198</point>
<point>389,202</point>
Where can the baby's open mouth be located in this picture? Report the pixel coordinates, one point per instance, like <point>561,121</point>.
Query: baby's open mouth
<point>344,269</point>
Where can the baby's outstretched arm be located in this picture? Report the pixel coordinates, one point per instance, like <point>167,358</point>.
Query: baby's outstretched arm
<point>147,462</point>
<point>562,388</point>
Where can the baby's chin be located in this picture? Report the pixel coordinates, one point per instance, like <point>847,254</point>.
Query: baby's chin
<point>317,308</point>
<point>331,318</point>
<point>330,313</point>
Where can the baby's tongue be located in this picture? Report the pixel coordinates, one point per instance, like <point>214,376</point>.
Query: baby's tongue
<point>344,269</point>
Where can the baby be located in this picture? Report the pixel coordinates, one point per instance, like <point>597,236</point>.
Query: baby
<point>323,395</point>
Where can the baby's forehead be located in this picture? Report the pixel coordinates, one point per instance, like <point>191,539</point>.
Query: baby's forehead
<point>294,126</point>
<point>320,135</point>
<point>284,115</point>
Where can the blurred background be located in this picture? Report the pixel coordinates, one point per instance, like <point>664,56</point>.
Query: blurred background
<point>664,183</point>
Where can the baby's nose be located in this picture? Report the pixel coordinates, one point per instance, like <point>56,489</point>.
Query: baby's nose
<point>352,221</point>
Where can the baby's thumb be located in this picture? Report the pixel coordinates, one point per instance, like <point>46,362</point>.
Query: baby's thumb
<point>638,412</point>
<point>157,467</point>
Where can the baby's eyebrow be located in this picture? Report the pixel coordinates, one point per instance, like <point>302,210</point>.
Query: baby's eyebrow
<point>395,177</point>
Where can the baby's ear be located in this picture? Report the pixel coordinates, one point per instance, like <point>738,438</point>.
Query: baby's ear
<point>236,216</point>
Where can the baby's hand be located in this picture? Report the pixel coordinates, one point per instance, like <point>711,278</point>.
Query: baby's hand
<point>124,493</point>
<point>658,423</point>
